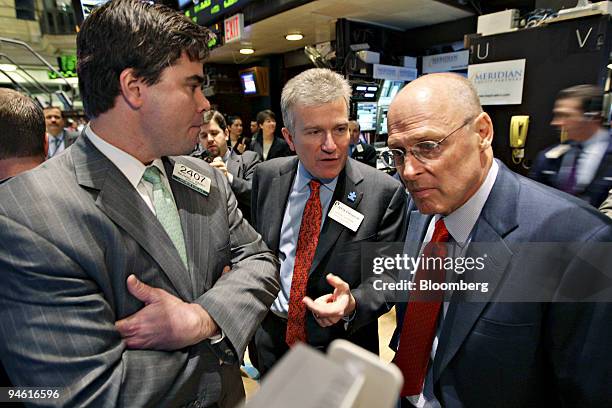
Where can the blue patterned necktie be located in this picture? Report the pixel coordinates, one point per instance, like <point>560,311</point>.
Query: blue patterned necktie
<point>166,211</point>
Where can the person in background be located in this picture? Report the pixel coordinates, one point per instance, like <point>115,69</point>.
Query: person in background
<point>296,204</point>
<point>238,168</point>
<point>113,253</point>
<point>22,134</point>
<point>266,144</point>
<point>235,133</point>
<point>358,150</point>
<point>58,138</point>
<point>582,165</point>
<point>254,128</point>
<point>511,345</point>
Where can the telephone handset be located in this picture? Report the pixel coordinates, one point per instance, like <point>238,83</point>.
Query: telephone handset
<point>519,125</point>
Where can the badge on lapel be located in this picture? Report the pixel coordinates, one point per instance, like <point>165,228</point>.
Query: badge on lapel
<point>191,178</point>
<point>345,215</point>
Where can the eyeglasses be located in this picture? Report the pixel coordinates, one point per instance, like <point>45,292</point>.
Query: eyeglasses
<point>423,151</point>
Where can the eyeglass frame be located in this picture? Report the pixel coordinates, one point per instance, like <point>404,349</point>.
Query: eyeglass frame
<point>411,149</point>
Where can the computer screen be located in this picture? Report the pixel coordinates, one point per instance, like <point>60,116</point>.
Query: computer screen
<point>366,115</point>
<point>83,8</point>
<point>248,80</point>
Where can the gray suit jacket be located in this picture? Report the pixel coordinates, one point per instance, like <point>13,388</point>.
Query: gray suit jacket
<point>71,232</point>
<point>494,353</point>
<point>242,167</point>
<point>381,200</point>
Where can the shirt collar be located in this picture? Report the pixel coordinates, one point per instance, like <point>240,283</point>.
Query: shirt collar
<point>460,222</point>
<point>601,136</point>
<point>226,156</point>
<point>59,136</point>
<point>131,167</point>
<point>304,177</point>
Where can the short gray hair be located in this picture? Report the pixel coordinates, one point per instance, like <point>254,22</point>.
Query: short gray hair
<point>316,86</point>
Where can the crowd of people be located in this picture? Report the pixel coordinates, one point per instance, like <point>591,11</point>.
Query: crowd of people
<point>136,269</point>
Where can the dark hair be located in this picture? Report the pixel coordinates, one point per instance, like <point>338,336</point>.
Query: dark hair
<point>46,108</point>
<point>590,96</point>
<point>232,118</point>
<point>22,126</point>
<point>134,34</point>
<point>217,117</point>
<point>265,114</point>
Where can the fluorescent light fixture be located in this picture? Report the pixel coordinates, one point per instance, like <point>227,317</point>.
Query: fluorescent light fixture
<point>8,67</point>
<point>368,95</point>
<point>294,37</point>
<point>372,88</point>
<point>247,50</point>
<point>361,88</point>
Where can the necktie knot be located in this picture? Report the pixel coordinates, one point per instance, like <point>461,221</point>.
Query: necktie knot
<point>315,185</point>
<point>152,175</point>
<point>440,233</point>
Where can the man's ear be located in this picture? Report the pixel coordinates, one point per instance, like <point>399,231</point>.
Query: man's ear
<point>132,88</point>
<point>288,138</point>
<point>484,128</point>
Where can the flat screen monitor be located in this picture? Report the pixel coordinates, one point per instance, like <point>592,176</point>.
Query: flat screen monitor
<point>366,115</point>
<point>83,8</point>
<point>249,86</point>
<point>254,81</point>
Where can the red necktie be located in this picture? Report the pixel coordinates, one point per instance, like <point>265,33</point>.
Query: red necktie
<point>419,326</point>
<point>304,254</point>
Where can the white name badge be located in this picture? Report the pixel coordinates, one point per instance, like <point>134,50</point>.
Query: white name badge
<point>346,216</point>
<point>191,179</point>
<point>557,151</point>
<point>360,148</point>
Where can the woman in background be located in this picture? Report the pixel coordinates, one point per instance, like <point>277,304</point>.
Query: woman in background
<point>235,133</point>
<point>265,142</point>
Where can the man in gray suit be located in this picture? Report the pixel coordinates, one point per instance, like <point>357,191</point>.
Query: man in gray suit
<point>238,168</point>
<point>317,211</point>
<point>519,342</point>
<point>112,254</point>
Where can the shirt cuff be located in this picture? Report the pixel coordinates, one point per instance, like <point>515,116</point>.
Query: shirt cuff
<point>217,338</point>
<point>348,319</point>
<point>230,177</point>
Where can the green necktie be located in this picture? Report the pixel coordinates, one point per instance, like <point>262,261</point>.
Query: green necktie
<point>166,211</point>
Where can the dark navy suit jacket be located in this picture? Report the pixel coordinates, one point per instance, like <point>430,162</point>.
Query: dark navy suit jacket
<point>524,354</point>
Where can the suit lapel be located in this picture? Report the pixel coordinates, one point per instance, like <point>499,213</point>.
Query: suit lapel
<point>348,182</point>
<point>119,200</point>
<point>498,219</point>
<point>279,193</point>
<point>234,164</point>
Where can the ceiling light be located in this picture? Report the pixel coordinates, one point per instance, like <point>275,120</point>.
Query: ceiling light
<point>8,67</point>
<point>294,37</point>
<point>247,51</point>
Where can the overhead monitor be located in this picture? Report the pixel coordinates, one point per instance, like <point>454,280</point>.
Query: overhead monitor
<point>83,8</point>
<point>254,81</point>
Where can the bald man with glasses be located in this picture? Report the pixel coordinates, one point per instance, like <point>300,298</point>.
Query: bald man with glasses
<point>514,344</point>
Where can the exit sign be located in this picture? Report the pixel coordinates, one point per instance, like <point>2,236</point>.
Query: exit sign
<point>234,27</point>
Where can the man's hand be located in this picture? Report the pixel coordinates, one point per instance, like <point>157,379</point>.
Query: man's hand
<point>218,163</point>
<point>166,322</point>
<point>329,309</point>
<point>241,147</point>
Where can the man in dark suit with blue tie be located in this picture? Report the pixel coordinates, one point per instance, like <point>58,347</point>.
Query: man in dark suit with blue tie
<point>581,165</point>
<point>528,339</point>
<point>317,211</point>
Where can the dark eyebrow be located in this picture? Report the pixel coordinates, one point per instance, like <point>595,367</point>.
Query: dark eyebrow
<point>195,78</point>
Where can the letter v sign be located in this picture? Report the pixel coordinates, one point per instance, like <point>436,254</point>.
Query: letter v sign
<point>582,42</point>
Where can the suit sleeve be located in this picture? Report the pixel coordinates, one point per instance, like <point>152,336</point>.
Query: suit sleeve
<point>372,303</point>
<point>57,329</point>
<point>240,299</point>
<point>577,340</point>
<point>241,186</point>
